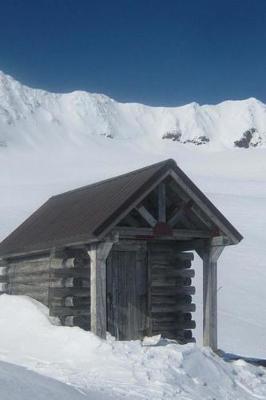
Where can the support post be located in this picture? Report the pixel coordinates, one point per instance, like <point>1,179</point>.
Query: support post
<point>98,254</point>
<point>210,254</point>
<point>161,203</point>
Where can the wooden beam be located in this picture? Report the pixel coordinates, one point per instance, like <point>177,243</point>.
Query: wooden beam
<point>210,255</point>
<point>134,204</point>
<point>147,215</point>
<point>177,234</point>
<point>161,203</point>
<point>98,254</point>
<point>204,208</point>
<point>179,215</point>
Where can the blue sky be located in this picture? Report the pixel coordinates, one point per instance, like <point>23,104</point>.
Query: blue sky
<point>167,52</point>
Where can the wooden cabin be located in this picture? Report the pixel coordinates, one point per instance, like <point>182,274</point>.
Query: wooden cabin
<point>116,255</point>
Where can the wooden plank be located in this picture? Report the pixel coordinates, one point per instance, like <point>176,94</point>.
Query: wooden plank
<point>147,216</point>
<point>170,325</point>
<point>162,308</point>
<point>165,291</point>
<point>98,255</point>
<point>210,256</point>
<point>173,273</point>
<point>186,299</point>
<point>179,214</point>
<point>79,272</point>
<point>76,301</point>
<point>164,283</point>
<point>72,291</point>
<point>58,311</point>
<point>161,202</point>
<point>82,321</point>
<point>177,234</point>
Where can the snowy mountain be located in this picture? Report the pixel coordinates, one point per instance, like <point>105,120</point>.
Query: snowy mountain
<point>35,118</point>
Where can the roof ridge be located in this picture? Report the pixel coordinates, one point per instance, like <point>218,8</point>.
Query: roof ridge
<point>164,162</point>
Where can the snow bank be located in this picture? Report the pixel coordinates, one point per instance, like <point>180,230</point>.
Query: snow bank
<point>17,383</point>
<point>119,369</point>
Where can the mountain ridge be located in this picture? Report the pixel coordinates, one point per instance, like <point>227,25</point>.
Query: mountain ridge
<point>34,118</point>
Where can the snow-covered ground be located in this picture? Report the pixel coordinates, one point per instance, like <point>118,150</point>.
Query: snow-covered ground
<point>101,369</point>
<point>53,145</point>
<point>18,383</point>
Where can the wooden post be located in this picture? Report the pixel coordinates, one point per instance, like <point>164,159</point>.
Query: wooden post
<point>98,254</point>
<point>161,203</point>
<point>210,254</point>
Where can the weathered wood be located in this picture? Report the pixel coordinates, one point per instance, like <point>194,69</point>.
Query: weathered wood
<point>27,269</point>
<point>4,279</point>
<point>177,282</point>
<point>181,299</point>
<point>58,311</point>
<point>166,291</point>
<point>164,325</point>
<point>70,282</point>
<point>204,208</point>
<point>98,254</point>
<point>72,291</point>
<point>147,216</point>
<point>77,272</point>
<point>126,293</point>
<point>161,202</point>
<point>82,321</point>
<point>76,301</point>
<point>179,213</point>
<point>130,245</point>
<point>165,308</point>
<point>173,273</point>
<point>30,279</point>
<point>141,197</point>
<point>210,255</point>
<point>69,263</point>
<point>177,234</point>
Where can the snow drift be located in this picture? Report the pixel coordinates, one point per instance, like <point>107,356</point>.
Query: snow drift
<point>119,369</point>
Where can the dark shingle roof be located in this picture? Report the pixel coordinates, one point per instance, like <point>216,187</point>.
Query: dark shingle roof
<point>82,214</point>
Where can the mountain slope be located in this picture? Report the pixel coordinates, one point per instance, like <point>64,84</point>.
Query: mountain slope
<point>31,117</point>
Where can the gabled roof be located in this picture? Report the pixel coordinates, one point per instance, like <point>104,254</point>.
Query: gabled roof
<point>85,214</point>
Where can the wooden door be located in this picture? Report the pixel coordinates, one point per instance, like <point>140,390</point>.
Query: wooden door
<point>127,293</point>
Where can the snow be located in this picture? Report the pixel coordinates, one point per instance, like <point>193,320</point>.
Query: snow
<point>18,383</point>
<point>55,143</point>
<point>35,118</point>
<point>111,369</point>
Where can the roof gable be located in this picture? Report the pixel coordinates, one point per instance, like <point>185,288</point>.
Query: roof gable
<point>88,213</point>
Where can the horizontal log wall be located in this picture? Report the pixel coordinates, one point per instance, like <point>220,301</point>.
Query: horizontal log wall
<point>170,300</point>
<point>62,284</point>
<point>30,277</point>
<point>69,292</point>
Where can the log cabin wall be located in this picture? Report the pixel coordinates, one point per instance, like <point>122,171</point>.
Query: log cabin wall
<point>170,298</point>
<point>60,283</point>
<point>28,277</point>
<point>148,288</point>
<point>69,292</point>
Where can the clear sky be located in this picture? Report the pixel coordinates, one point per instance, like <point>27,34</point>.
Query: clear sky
<point>167,52</point>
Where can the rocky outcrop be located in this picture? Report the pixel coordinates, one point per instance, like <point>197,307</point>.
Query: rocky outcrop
<point>250,138</point>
